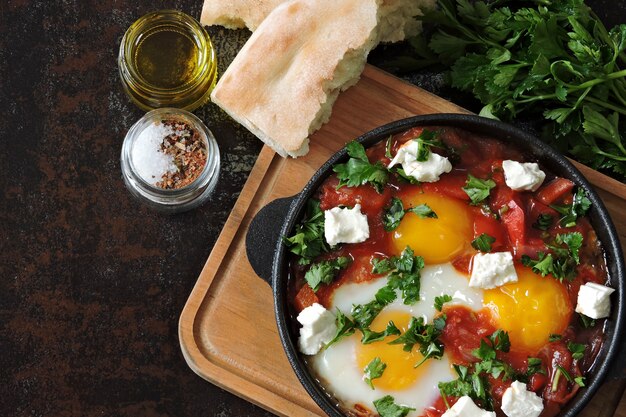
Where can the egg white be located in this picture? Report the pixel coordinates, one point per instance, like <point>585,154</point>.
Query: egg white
<point>337,366</point>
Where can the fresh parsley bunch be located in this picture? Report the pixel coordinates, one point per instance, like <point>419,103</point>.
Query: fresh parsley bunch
<point>554,58</point>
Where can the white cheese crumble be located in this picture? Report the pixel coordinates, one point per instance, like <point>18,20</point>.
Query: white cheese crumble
<point>517,401</point>
<point>426,171</point>
<point>465,407</point>
<point>318,328</point>
<point>594,300</point>
<point>344,225</point>
<point>491,270</point>
<point>523,176</point>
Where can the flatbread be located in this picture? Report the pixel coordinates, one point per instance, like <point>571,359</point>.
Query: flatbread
<point>282,84</point>
<point>236,14</point>
<point>398,22</point>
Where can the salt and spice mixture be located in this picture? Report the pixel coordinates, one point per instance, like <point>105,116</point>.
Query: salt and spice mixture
<point>169,154</point>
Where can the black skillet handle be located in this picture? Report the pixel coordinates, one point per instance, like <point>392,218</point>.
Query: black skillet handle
<point>263,234</point>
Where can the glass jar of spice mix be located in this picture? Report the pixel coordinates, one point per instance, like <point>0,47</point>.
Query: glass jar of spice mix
<point>170,160</point>
<point>166,59</point>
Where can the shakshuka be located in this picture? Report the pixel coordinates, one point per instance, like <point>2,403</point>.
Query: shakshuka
<point>442,273</point>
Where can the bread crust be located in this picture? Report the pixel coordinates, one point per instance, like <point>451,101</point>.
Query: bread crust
<point>282,84</point>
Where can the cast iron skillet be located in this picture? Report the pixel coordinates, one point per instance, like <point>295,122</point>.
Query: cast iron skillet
<point>269,257</point>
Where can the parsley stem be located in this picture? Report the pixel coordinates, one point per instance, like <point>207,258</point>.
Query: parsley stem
<point>555,381</point>
<point>606,105</point>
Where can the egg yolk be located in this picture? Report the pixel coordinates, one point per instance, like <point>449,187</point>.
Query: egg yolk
<point>439,239</point>
<point>530,309</point>
<point>400,372</point>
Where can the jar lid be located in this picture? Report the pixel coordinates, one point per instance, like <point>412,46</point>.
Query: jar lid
<point>170,160</point>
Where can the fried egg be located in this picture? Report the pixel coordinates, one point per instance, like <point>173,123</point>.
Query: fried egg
<point>341,365</point>
<point>530,310</point>
<point>439,239</point>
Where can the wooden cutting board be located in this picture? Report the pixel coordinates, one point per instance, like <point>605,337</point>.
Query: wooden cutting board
<point>227,330</point>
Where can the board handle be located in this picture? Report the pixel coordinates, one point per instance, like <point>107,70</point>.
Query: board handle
<point>263,235</point>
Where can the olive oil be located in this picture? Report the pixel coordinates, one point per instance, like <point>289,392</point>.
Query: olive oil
<point>167,59</point>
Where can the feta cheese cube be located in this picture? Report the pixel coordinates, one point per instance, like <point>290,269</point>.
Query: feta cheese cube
<point>465,407</point>
<point>517,401</point>
<point>594,300</point>
<point>523,176</point>
<point>318,328</point>
<point>491,270</point>
<point>344,225</point>
<point>424,171</point>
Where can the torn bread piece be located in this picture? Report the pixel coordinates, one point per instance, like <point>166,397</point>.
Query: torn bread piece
<point>236,14</point>
<point>284,81</point>
<point>397,23</point>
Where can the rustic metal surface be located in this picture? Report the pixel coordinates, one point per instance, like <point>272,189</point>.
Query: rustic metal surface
<point>92,283</point>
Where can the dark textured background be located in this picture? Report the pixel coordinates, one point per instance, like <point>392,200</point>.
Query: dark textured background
<point>91,283</point>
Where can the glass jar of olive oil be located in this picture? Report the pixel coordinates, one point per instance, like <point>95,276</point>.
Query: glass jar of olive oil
<point>166,59</point>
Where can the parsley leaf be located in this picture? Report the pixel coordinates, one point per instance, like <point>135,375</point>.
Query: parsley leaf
<point>562,262</point>
<point>393,215</point>
<point>386,407</point>
<point>555,337</point>
<point>370,336</point>
<point>359,171</point>
<point>477,189</point>
<point>549,59</point>
<point>423,211</point>
<point>586,321</point>
<point>571,212</point>
<point>544,221</point>
<point>535,366</point>
<point>580,381</point>
<point>325,271</point>
<point>308,241</point>
<point>374,370</point>
<point>345,328</point>
<point>483,242</point>
<point>441,300</point>
<point>426,335</point>
<point>577,349</point>
<point>404,273</point>
<point>425,140</point>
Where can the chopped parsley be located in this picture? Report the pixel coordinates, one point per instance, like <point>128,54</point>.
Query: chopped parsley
<point>477,189</point>
<point>386,407</point>
<point>562,262</point>
<point>359,171</point>
<point>425,335</point>
<point>535,366</point>
<point>325,271</point>
<point>472,380</point>
<point>374,370</point>
<point>554,337</point>
<point>393,215</point>
<point>483,242</point>
<point>577,349</point>
<point>425,141</point>
<point>404,273</point>
<point>308,241</point>
<point>370,336</point>
<point>571,212</point>
<point>441,300</point>
<point>345,327</point>
<point>586,321</point>
<point>544,221</point>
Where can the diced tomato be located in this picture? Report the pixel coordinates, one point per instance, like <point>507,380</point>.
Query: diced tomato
<point>492,227</point>
<point>556,354</point>
<point>553,191</point>
<point>530,247</point>
<point>464,331</point>
<point>305,298</point>
<point>515,222</point>
<point>370,200</point>
<point>537,208</point>
<point>537,382</point>
<point>450,185</point>
<point>462,263</point>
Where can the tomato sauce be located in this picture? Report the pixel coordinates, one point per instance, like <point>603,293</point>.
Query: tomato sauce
<point>507,215</point>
